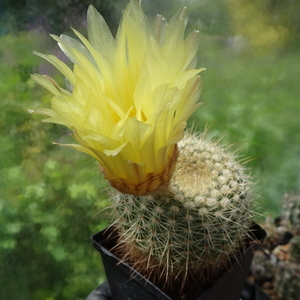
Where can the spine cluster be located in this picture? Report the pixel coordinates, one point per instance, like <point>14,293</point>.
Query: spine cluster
<point>196,225</point>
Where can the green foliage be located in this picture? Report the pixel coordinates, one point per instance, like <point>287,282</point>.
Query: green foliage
<point>49,198</point>
<point>282,14</point>
<point>52,16</point>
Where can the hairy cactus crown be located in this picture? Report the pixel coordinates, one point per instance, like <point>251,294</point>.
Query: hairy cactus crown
<point>197,224</point>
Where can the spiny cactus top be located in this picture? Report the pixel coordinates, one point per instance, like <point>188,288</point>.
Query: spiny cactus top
<point>131,95</point>
<point>197,225</point>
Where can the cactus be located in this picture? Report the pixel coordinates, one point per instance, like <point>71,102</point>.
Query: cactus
<point>196,226</point>
<point>287,280</point>
<point>182,209</point>
<point>263,266</point>
<point>291,212</point>
<point>281,244</point>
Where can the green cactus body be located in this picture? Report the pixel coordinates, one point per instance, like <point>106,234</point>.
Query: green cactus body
<point>291,212</point>
<point>194,227</point>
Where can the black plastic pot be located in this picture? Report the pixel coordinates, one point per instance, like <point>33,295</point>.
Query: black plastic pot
<point>126,283</point>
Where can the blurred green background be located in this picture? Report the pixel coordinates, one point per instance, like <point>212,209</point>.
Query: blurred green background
<point>52,199</point>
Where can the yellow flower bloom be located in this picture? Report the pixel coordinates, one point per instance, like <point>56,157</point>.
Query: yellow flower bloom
<point>131,95</point>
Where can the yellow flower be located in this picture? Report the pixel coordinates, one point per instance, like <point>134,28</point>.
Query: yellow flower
<point>131,95</point>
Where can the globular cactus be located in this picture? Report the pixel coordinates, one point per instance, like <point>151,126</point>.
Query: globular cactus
<point>263,266</point>
<point>287,280</point>
<point>291,212</point>
<point>196,226</point>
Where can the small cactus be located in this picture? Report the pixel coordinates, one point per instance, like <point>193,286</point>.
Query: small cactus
<point>194,227</point>
<point>263,266</point>
<point>291,212</point>
<point>287,280</point>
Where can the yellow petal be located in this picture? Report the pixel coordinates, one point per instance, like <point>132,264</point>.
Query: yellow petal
<point>131,95</point>
<point>99,34</point>
<point>61,66</point>
<point>47,83</point>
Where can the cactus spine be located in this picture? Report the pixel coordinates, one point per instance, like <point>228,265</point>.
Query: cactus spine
<point>196,225</point>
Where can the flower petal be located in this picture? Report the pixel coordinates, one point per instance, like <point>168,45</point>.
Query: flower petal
<point>131,95</point>
<point>99,34</point>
